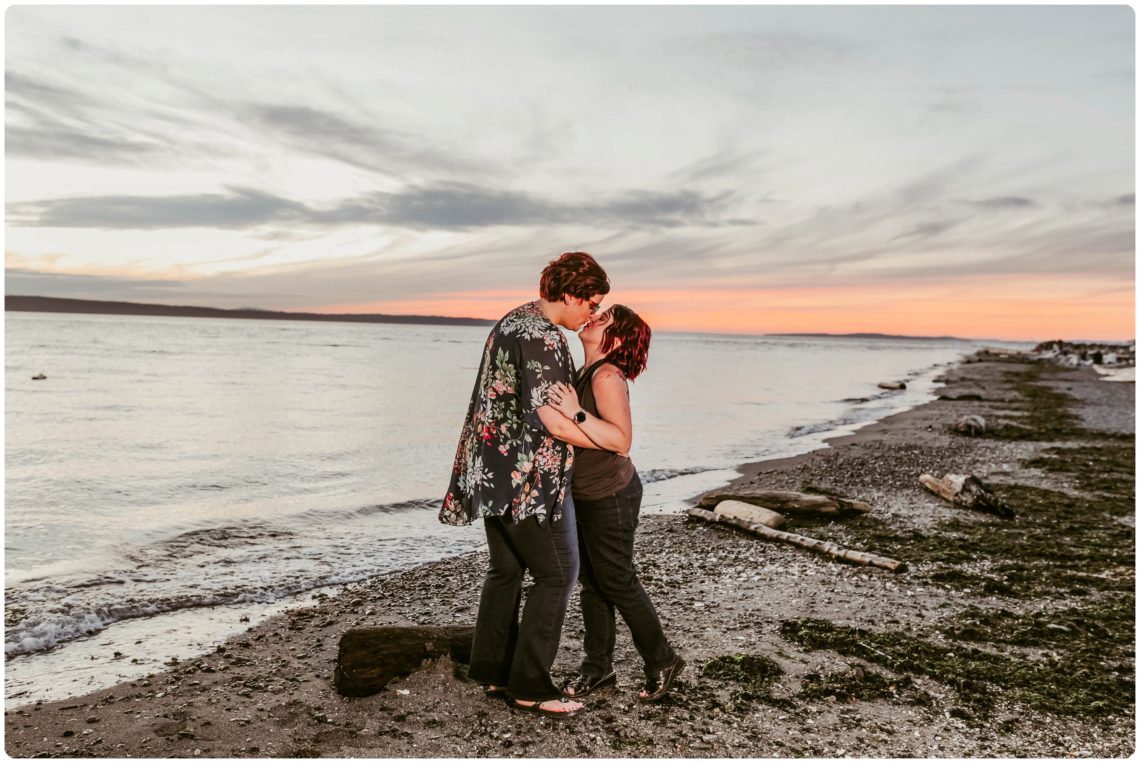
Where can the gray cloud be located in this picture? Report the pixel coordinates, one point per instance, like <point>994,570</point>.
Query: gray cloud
<point>21,85</point>
<point>454,206</point>
<point>326,134</point>
<point>511,258</point>
<point>310,123</point>
<point>240,208</point>
<point>1004,202</point>
<point>60,141</point>
<point>447,206</point>
<point>1127,200</point>
<point>769,51</point>
<point>47,121</point>
<point>367,146</point>
<point>27,282</point>
<point>721,165</point>
<point>667,210</point>
<point>50,121</point>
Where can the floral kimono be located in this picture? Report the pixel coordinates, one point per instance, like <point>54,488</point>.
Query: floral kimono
<point>506,460</point>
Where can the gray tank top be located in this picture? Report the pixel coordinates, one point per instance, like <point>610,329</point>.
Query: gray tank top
<point>597,473</point>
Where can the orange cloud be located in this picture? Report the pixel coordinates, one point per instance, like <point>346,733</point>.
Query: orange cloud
<point>1012,307</point>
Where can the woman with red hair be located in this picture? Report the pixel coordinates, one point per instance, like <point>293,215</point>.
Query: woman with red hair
<point>607,496</point>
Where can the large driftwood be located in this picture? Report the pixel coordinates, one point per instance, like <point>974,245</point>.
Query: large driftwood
<point>787,501</point>
<point>967,491</point>
<point>750,513</point>
<point>892,385</point>
<point>371,657</point>
<point>812,544</point>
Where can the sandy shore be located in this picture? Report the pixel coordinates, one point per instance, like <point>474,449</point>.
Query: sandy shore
<point>1005,638</point>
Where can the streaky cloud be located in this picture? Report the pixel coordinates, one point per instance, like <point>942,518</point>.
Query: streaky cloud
<point>54,142</point>
<point>240,208</point>
<point>324,133</point>
<point>723,164</point>
<point>309,122</point>
<point>927,229</point>
<point>24,86</point>
<point>452,206</point>
<point>54,122</point>
<point>1004,202</point>
<point>28,282</point>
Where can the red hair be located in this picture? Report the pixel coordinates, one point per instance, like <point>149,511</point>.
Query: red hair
<point>576,274</point>
<point>632,354</point>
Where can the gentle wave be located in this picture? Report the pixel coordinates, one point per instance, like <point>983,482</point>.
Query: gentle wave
<point>658,475</point>
<point>823,426</point>
<point>36,635</point>
<point>223,565</point>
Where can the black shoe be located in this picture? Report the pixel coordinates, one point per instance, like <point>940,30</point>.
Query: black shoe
<point>657,683</point>
<point>583,684</point>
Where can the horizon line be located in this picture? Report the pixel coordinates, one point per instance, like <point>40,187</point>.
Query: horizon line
<point>270,314</point>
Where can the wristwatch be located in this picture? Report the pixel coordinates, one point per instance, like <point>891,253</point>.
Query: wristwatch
<point>580,416</point>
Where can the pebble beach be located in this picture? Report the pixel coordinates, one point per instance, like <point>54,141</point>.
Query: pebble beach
<point>1004,638</point>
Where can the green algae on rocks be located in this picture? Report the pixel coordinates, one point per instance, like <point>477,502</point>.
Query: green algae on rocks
<point>862,684</point>
<point>1044,412</point>
<point>1050,683</point>
<point>1093,468</point>
<point>1057,545</point>
<point>755,674</point>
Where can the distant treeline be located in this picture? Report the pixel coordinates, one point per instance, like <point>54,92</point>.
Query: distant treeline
<point>880,336</point>
<point>58,305</point>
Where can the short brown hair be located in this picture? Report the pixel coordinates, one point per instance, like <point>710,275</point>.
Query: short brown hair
<point>574,273</point>
<point>632,354</point>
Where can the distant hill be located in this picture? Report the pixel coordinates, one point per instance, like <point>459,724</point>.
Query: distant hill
<point>58,305</point>
<point>882,336</point>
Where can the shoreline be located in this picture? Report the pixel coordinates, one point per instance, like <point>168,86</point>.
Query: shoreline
<point>268,692</point>
<point>187,630</point>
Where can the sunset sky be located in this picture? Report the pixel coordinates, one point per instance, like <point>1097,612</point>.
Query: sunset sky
<point>963,170</point>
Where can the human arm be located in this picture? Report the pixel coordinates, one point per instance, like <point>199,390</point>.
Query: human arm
<point>612,429</point>
<point>563,428</point>
<point>541,366</point>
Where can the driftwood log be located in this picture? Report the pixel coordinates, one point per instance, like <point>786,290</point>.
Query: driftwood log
<point>750,513</point>
<point>812,544</point>
<point>371,657</point>
<point>790,502</point>
<point>967,491</point>
<point>892,385</point>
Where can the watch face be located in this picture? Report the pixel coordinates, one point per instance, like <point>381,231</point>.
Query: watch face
<point>580,416</point>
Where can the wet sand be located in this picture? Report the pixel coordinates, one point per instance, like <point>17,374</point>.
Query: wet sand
<point>746,614</point>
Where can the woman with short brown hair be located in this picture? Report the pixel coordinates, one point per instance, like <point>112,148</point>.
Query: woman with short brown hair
<point>607,498</point>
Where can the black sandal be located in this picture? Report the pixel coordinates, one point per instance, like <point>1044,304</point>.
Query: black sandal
<point>494,692</point>
<point>537,707</point>
<point>657,683</point>
<point>584,684</point>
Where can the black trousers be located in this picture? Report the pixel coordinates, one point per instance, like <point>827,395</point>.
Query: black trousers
<point>513,653</point>
<point>606,527</point>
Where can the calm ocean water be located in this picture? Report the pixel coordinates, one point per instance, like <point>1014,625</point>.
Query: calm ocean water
<point>173,474</point>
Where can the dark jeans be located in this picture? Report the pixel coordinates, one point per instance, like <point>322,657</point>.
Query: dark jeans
<point>506,652</point>
<point>605,540</point>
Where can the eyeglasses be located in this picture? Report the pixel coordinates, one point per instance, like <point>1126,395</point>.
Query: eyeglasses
<point>594,305</point>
